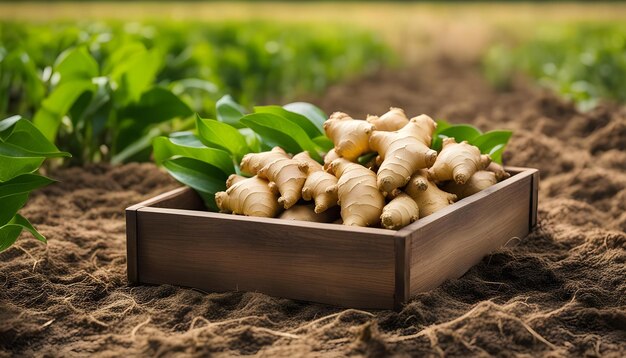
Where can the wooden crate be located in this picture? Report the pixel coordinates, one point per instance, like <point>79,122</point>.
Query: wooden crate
<point>171,240</point>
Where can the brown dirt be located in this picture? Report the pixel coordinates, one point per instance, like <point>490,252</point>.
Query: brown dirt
<point>560,292</point>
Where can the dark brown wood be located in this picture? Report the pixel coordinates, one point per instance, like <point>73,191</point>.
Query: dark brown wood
<point>449,242</point>
<point>534,199</point>
<point>131,244</point>
<point>402,272</point>
<point>173,240</point>
<point>299,260</point>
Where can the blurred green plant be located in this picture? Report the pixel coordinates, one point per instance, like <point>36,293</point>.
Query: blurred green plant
<point>204,158</point>
<point>23,149</point>
<point>584,63</point>
<point>103,91</point>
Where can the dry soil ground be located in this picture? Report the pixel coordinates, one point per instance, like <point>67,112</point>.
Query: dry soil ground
<point>560,291</point>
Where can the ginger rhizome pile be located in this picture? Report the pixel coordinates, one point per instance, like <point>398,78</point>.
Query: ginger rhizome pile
<point>381,172</point>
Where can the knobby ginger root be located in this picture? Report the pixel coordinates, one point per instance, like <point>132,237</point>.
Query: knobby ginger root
<point>329,157</point>
<point>498,170</point>
<point>248,196</point>
<point>456,161</point>
<point>289,175</point>
<point>427,195</point>
<point>360,200</point>
<point>390,121</point>
<point>350,136</point>
<point>321,187</point>
<point>312,164</point>
<point>307,213</point>
<point>403,153</point>
<point>480,180</point>
<point>400,212</point>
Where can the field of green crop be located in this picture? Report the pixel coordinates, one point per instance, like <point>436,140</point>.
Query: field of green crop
<point>103,90</point>
<point>585,63</point>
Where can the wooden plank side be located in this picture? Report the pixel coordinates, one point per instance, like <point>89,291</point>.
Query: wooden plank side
<point>180,198</point>
<point>131,244</point>
<point>401,295</point>
<point>535,199</point>
<point>299,260</point>
<point>448,243</point>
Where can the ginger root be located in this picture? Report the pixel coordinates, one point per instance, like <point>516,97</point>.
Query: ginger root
<point>307,213</point>
<point>321,187</point>
<point>427,195</point>
<point>400,212</point>
<point>403,153</point>
<point>329,157</point>
<point>480,180</point>
<point>390,121</point>
<point>498,170</point>
<point>305,157</point>
<point>350,136</point>
<point>248,196</point>
<point>288,174</point>
<point>361,202</point>
<point>456,161</point>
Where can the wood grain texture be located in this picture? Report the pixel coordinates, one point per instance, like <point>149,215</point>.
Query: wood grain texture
<point>131,244</point>
<point>446,244</point>
<point>305,261</point>
<point>172,239</point>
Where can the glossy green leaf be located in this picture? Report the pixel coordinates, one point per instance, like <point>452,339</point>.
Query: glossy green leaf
<point>442,124</point>
<point>324,143</point>
<point>221,135</point>
<point>313,113</point>
<point>54,107</point>
<point>278,132</point>
<point>202,177</point>
<point>11,204</point>
<point>252,139</point>
<point>134,69</point>
<point>167,148</point>
<point>23,148</point>
<point>309,127</point>
<point>229,111</point>
<point>460,132</point>
<point>493,143</point>
<point>23,184</point>
<point>76,64</point>
<point>11,231</point>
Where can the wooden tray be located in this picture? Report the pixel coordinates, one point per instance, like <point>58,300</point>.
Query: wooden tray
<point>171,240</point>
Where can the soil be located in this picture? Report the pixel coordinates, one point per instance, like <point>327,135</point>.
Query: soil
<point>561,291</point>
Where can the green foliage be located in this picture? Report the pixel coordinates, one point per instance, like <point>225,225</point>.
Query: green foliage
<point>203,160</point>
<point>23,149</point>
<point>492,142</point>
<point>584,63</point>
<point>103,91</point>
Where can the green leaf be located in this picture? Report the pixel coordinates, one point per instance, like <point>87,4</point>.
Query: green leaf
<point>460,132</point>
<point>155,106</point>
<point>202,177</point>
<point>324,143</point>
<point>23,148</point>
<point>134,69</point>
<point>442,124</point>
<point>57,104</point>
<point>309,127</point>
<point>168,148</point>
<point>11,204</point>
<point>11,231</point>
<point>252,139</point>
<point>76,64</point>
<point>23,184</point>
<point>313,113</point>
<point>277,132</point>
<point>493,143</point>
<point>229,111</point>
<point>221,135</point>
